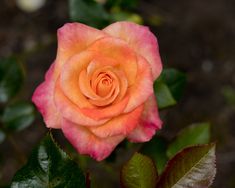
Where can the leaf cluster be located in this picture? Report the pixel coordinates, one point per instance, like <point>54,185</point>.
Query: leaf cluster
<point>15,115</point>
<point>100,13</point>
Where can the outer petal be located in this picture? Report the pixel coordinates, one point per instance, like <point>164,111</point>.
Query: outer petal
<point>72,39</point>
<point>87,143</point>
<point>121,125</point>
<point>143,87</point>
<point>149,122</point>
<point>141,40</point>
<point>43,98</point>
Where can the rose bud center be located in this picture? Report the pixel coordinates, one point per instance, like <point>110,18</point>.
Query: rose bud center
<point>103,84</point>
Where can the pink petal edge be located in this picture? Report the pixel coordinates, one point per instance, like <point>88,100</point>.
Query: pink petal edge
<point>43,98</point>
<point>73,38</point>
<point>141,39</point>
<point>149,122</point>
<point>87,143</point>
<point>120,125</point>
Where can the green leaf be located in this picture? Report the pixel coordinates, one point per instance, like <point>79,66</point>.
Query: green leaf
<point>2,136</point>
<point>192,167</point>
<point>169,87</point>
<point>228,93</point>
<point>138,172</point>
<point>89,12</point>
<point>127,16</point>
<point>49,167</point>
<point>11,78</point>
<point>18,116</point>
<point>155,20</point>
<point>130,4</point>
<point>156,149</point>
<point>175,80</point>
<point>163,95</point>
<point>195,134</point>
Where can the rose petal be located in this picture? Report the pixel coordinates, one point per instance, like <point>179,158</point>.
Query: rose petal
<point>120,125</point>
<point>141,40</point>
<point>71,111</point>
<point>72,39</point>
<point>123,84</point>
<point>100,62</point>
<point>106,112</point>
<point>149,122</point>
<point>43,98</point>
<point>87,143</point>
<point>69,79</point>
<point>119,51</point>
<point>143,87</point>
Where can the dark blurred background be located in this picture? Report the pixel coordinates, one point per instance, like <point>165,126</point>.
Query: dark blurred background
<point>197,37</point>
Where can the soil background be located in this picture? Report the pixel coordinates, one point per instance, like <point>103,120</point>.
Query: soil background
<point>197,37</point>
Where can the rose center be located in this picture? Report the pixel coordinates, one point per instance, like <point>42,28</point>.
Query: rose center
<point>103,84</point>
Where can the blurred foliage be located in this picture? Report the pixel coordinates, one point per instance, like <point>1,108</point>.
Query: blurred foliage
<point>175,80</point>
<point>156,149</point>
<point>15,115</point>
<point>102,13</point>
<point>118,15</point>
<point>130,4</point>
<point>169,87</point>
<point>163,95</point>
<point>198,133</point>
<point>89,12</point>
<point>18,116</point>
<point>11,78</point>
<point>228,93</point>
<point>2,136</point>
<point>155,20</point>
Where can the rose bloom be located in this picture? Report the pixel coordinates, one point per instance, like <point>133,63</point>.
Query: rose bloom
<point>99,90</point>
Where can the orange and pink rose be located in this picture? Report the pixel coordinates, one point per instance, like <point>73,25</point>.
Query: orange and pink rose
<point>99,90</point>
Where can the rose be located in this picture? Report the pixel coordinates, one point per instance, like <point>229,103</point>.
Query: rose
<point>99,90</point>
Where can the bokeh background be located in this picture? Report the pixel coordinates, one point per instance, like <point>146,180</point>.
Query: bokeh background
<point>197,37</point>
